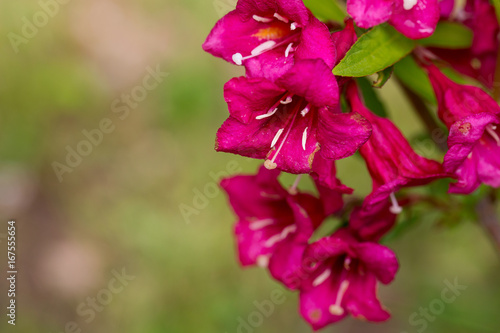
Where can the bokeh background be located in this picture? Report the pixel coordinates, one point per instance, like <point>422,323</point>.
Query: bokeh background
<point>119,208</point>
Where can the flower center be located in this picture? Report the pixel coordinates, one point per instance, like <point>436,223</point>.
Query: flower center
<point>279,32</point>
<point>270,163</point>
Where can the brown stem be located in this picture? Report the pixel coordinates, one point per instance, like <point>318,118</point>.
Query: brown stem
<point>496,78</point>
<point>423,113</point>
<point>488,219</point>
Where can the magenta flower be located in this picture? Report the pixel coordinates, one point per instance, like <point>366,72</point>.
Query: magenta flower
<point>270,218</point>
<point>371,222</point>
<point>342,279</point>
<point>472,117</point>
<point>329,186</point>
<point>391,161</point>
<point>290,121</point>
<point>266,36</point>
<point>479,61</point>
<point>413,18</point>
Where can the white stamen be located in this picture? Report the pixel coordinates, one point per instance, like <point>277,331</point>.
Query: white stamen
<point>270,165</point>
<point>322,277</point>
<point>287,100</point>
<point>262,19</point>
<point>262,261</point>
<point>409,4</point>
<point>304,139</point>
<point>259,224</point>
<point>336,309</point>
<point>282,235</point>
<point>491,130</point>
<point>293,188</point>
<point>293,26</point>
<point>237,58</point>
<point>276,137</point>
<point>265,115</point>
<point>288,49</point>
<point>263,47</point>
<point>305,111</point>
<point>281,18</point>
<point>395,208</point>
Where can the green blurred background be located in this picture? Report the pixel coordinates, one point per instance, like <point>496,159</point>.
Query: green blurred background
<point>119,208</point>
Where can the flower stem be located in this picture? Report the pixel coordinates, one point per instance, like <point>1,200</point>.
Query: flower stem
<point>496,78</point>
<point>424,113</point>
<point>486,211</point>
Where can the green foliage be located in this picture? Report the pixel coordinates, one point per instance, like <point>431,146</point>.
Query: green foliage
<point>371,98</point>
<point>415,78</point>
<point>374,51</point>
<point>383,77</point>
<point>449,35</point>
<point>327,9</point>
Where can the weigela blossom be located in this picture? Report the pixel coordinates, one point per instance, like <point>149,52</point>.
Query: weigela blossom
<point>371,222</point>
<point>478,61</point>
<point>266,35</point>
<point>329,186</point>
<point>270,217</point>
<point>289,121</point>
<point>341,279</point>
<point>472,117</point>
<point>390,159</point>
<point>413,18</point>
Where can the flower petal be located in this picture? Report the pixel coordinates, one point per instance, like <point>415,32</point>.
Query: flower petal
<point>378,259</point>
<point>371,221</point>
<point>369,13</point>
<point>250,97</point>
<point>415,18</point>
<point>361,298</point>
<point>315,303</point>
<point>341,135</point>
<point>316,43</point>
<point>313,80</point>
<point>463,137</point>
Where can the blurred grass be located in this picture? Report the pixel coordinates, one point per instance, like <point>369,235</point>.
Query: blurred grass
<point>124,198</point>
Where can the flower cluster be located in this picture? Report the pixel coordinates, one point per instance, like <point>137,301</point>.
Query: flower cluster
<point>290,111</point>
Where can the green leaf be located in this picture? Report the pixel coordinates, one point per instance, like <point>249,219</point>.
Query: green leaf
<point>449,35</point>
<point>382,77</point>
<point>327,10</point>
<point>415,78</point>
<point>374,51</point>
<point>372,101</point>
<point>496,4</point>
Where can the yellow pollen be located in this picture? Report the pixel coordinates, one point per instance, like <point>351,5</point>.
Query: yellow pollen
<point>273,32</point>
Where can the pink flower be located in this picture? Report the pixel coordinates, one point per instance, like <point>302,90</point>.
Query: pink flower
<point>390,159</point>
<point>342,279</point>
<point>271,221</point>
<point>371,222</point>
<point>413,18</point>
<point>472,117</point>
<point>266,37</point>
<point>478,61</point>
<point>329,187</point>
<point>289,121</point>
